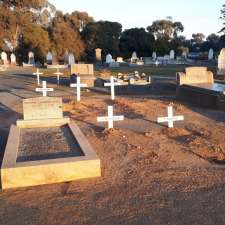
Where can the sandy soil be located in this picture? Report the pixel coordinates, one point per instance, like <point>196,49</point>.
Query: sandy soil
<point>150,174</point>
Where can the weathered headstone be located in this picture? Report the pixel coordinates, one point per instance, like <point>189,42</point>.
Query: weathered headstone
<point>110,118</point>
<point>49,58</point>
<point>185,53</point>
<point>42,108</point>
<point>71,59</point>
<point>109,58</point>
<point>119,59</point>
<point>66,57</point>
<point>82,69</point>
<point>154,56</point>
<point>4,58</point>
<point>134,57</point>
<point>195,75</point>
<point>31,60</point>
<point>42,112</point>
<point>211,54</point>
<point>78,86</point>
<point>221,62</point>
<point>13,59</point>
<point>98,54</point>
<point>86,73</point>
<point>44,89</point>
<point>172,55</point>
<point>170,119</point>
<point>166,57</point>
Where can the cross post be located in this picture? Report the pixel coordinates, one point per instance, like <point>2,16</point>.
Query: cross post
<point>78,85</point>
<point>112,85</point>
<point>44,89</point>
<point>38,73</point>
<point>170,119</point>
<point>110,118</point>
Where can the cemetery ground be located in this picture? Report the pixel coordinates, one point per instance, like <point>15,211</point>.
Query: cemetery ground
<point>150,174</point>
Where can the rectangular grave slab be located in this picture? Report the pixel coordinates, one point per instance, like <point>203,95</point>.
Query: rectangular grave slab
<point>37,154</point>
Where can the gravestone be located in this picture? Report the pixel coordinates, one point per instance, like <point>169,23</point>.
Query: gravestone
<point>42,108</point>
<point>66,57</point>
<point>13,59</point>
<point>211,54</point>
<point>166,57</point>
<point>82,69</point>
<point>86,73</point>
<point>109,58</point>
<point>134,57</point>
<point>71,59</point>
<point>172,55</point>
<point>4,58</point>
<point>185,53</point>
<point>98,54</point>
<point>49,58</point>
<point>119,59</point>
<point>195,75</point>
<point>31,60</point>
<point>221,62</point>
<point>154,56</point>
<point>42,111</point>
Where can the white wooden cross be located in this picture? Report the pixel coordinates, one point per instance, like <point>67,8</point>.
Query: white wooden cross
<point>44,89</point>
<point>110,118</point>
<point>78,85</point>
<point>38,73</point>
<point>171,118</point>
<point>58,73</point>
<point>112,84</point>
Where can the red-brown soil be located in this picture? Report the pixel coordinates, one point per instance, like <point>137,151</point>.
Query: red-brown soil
<point>150,174</point>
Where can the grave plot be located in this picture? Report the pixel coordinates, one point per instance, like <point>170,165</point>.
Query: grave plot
<point>197,86</point>
<point>46,148</point>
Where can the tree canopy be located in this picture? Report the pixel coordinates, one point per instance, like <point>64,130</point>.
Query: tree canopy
<point>136,39</point>
<point>36,25</point>
<point>165,29</point>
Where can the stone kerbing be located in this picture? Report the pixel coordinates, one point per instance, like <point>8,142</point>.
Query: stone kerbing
<point>24,174</point>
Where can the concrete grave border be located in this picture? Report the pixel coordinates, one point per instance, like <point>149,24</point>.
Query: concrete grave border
<point>32,173</point>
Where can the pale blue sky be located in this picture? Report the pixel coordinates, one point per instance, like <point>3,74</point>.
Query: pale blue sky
<point>196,15</point>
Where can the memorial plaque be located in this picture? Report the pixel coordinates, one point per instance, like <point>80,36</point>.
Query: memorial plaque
<point>42,108</point>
